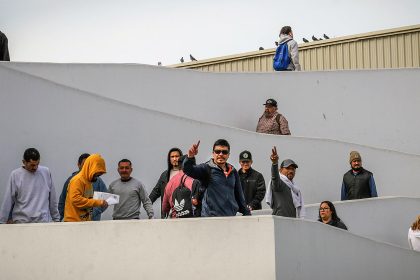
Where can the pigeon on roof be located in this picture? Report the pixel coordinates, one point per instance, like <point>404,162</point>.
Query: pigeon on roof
<point>326,37</point>
<point>182,60</point>
<point>159,63</point>
<point>192,58</point>
<point>314,38</point>
<point>305,40</point>
<point>261,48</point>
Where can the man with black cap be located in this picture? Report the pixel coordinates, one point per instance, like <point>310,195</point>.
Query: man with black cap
<point>272,122</point>
<point>252,182</point>
<point>358,182</point>
<point>284,196</point>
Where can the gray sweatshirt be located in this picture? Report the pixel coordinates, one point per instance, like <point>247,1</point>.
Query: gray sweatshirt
<point>30,197</point>
<point>132,195</point>
<point>293,51</point>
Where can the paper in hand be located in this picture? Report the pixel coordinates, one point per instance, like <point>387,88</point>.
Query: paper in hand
<point>110,198</point>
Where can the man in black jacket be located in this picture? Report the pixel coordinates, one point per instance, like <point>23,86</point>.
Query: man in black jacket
<point>173,168</point>
<point>252,182</point>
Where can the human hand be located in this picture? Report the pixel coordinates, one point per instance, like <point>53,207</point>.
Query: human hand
<point>193,151</point>
<point>104,204</point>
<point>274,156</point>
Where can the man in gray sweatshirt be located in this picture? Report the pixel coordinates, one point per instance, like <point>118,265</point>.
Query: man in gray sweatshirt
<point>132,194</point>
<point>30,193</point>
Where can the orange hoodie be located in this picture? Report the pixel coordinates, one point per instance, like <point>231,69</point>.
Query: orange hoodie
<point>79,201</point>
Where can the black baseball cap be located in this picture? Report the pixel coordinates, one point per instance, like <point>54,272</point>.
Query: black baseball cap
<point>245,155</point>
<point>288,162</point>
<point>271,102</point>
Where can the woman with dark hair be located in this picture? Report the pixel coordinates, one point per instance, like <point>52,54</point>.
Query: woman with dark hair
<point>328,215</point>
<point>414,235</point>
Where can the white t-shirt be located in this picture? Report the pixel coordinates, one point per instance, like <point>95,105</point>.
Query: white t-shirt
<point>414,239</point>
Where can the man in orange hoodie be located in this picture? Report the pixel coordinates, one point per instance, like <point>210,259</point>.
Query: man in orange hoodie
<point>79,201</point>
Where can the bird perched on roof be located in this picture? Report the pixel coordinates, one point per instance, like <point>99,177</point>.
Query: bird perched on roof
<point>159,63</point>
<point>261,48</point>
<point>314,38</point>
<point>192,58</point>
<point>326,37</point>
<point>305,40</point>
<point>182,59</point>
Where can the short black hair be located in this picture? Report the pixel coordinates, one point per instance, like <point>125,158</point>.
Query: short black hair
<point>221,142</point>
<point>31,154</point>
<point>82,158</point>
<point>124,160</point>
<point>285,30</point>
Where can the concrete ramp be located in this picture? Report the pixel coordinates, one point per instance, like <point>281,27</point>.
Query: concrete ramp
<point>371,107</point>
<point>213,248</point>
<point>63,123</point>
<point>385,219</point>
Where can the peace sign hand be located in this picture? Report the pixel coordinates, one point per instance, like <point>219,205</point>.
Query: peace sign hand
<point>274,156</point>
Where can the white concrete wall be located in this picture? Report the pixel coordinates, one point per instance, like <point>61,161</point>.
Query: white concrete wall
<point>262,247</point>
<point>311,250</point>
<point>63,123</point>
<point>384,219</point>
<point>375,108</point>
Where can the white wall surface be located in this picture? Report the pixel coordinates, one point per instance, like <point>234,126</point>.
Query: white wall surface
<point>262,247</point>
<point>384,219</point>
<point>374,107</point>
<point>63,123</point>
<point>311,250</point>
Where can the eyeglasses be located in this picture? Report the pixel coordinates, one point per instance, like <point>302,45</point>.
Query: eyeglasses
<point>224,152</point>
<point>324,209</point>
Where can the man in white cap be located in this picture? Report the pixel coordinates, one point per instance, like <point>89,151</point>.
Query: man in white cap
<point>272,122</point>
<point>358,182</point>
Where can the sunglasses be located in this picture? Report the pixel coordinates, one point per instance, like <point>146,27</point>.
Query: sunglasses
<point>224,152</point>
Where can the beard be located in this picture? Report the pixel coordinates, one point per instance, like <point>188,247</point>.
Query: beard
<point>357,168</point>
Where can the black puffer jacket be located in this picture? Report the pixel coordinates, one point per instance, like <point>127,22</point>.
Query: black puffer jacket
<point>253,185</point>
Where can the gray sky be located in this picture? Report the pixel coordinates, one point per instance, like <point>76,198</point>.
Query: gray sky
<point>129,31</point>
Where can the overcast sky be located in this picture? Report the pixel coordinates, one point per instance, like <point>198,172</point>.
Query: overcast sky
<point>137,31</point>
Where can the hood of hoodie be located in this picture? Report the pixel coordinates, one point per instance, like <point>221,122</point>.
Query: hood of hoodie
<point>284,37</point>
<point>93,164</point>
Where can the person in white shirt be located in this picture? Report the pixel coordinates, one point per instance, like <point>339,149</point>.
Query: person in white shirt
<point>414,235</point>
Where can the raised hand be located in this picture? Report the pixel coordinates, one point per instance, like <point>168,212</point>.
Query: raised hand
<point>274,156</point>
<point>193,151</point>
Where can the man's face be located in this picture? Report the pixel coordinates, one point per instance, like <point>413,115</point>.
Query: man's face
<point>245,165</point>
<point>289,172</point>
<point>220,154</point>
<point>173,158</point>
<point>269,110</point>
<point>125,169</point>
<point>356,164</point>
<point>96,175</point>
<point>81,164</point>
<point>31,165</point>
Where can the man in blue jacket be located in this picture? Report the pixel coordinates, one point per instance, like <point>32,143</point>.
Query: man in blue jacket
<point>98,186</point>
<point>223,194</point>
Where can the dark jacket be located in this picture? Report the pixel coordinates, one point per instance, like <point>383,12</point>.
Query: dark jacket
<point>159,190</point>
<point>336,223</point>
<point>282,201</point>
<point>4,49</point>
<point>98,186</point>
<point>253,186</point>
<point>223,195</point>
<point>358,185</point>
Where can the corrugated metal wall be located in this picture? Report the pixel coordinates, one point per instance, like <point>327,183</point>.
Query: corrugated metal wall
<point>392,48</point>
